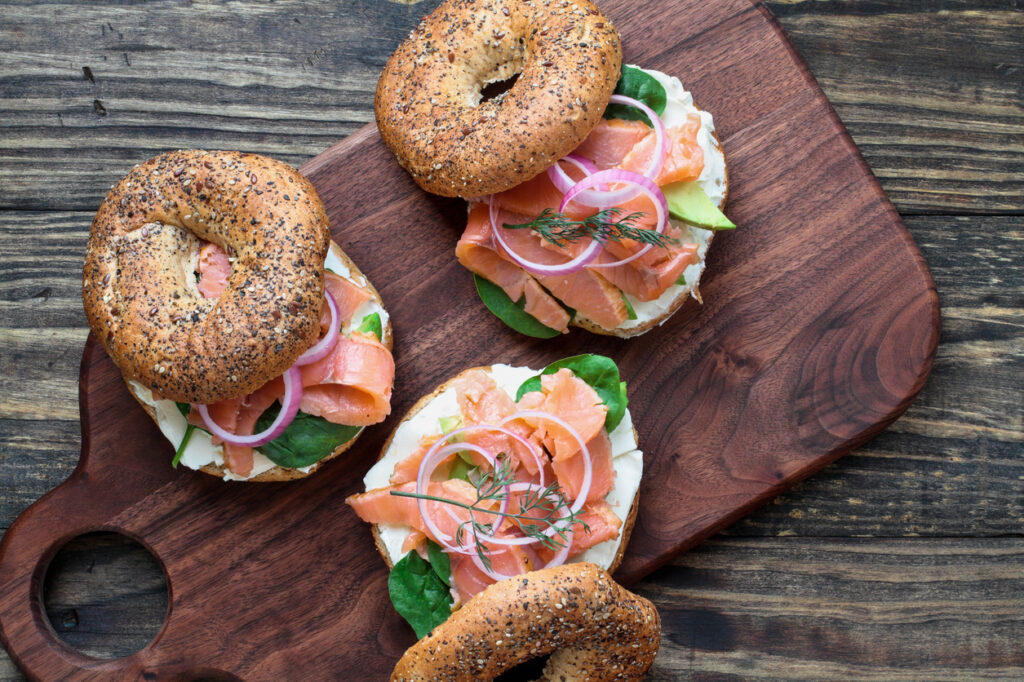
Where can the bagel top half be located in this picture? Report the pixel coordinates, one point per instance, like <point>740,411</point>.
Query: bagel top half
<point>138,283</point>
<point>566,55</point>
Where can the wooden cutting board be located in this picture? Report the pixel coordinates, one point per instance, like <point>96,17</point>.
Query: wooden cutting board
<point>819,326</point>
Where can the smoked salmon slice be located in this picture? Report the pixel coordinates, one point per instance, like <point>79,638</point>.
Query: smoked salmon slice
<point>685,158</point>
<point>355,386</point>
<point>214,269</point>
<point>610,141</point>
<point>476,252</point>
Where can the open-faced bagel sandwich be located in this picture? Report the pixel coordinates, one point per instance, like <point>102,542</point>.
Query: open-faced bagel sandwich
<point>253,341</point>
<point>498,473</point>
<point>594,188</point>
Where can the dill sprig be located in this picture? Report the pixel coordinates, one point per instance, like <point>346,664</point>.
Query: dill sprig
<point>539,509</point>
<point>603,226</point>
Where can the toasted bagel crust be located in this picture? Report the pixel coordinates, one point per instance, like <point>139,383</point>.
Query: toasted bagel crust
<point>282,473</point>
<point>139,289</point>
<point>593,628</point>
<point>567,55</point>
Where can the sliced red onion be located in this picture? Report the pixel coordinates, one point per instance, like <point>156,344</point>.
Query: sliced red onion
<point>541,269</point>
<point>660,139</point>
<point>324,346</point>
<point>437,453</point>
<point>588,467</point>
<point>644,186</point>
<point>561,179</point>
<point>289,408</point>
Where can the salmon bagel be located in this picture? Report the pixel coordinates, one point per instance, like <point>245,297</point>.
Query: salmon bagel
<point>567,55</point>
<point>139,285</point>
<point>593,628</point>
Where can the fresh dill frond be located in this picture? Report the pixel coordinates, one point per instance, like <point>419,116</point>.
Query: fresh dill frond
<point>604,226</point>
<point>539,509</point>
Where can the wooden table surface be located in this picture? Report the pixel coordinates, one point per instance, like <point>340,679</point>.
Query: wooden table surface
<point>903,560</point>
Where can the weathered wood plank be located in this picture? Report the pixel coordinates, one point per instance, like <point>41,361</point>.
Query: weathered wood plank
<point>731,609</point>
<point>845,609</point>
<point>950,466</point>
<point>937,117</point>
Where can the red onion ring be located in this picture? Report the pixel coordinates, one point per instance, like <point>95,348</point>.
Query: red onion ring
<point>289,408</point>
<point>588,467</point>
<point>645,186</point>
<point>561,179</point>
<point>660,141</point>
<point>603,198</point>
<point>324,346</point>
<point>434,456</point>
<point>533,267</point>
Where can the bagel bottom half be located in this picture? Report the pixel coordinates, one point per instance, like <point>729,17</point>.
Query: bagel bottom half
<point>593,629</point>
<point>170,422</point>
<point>422,419</point>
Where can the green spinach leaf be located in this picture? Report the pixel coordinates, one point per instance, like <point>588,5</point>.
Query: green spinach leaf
<point>418,593</point>
<point>597,370</point>
<point>639,85</point>
<point>305,441</point>
<point>440,562</point>
<point>509,312</point>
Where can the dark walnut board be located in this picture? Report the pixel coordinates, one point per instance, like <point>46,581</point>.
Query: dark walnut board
<point>818,329</point>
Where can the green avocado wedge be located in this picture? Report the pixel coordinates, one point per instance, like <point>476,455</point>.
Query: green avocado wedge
<point>688,202</point>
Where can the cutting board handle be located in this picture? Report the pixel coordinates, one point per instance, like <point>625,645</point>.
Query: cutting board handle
<point>26,552</point>
<point>99,496</point>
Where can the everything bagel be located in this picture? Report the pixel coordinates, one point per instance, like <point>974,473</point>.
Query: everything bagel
<point>592,627</point>
<point>139,285</point>
<point>567,55</point>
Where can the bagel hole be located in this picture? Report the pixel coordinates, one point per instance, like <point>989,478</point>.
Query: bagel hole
<point>105,595</point>
<point>532,669</point>
<point>497,88</point>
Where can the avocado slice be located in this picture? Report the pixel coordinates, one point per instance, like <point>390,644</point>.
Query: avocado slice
<point>688,202</point>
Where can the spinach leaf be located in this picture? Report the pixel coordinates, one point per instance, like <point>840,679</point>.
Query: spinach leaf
<point>440,562</point>
<point>305,441</point>
<point>371,324</point>
<point>597,370</point>
<point>512,314</point>
<point>419,594</point>
<point>639,85</point>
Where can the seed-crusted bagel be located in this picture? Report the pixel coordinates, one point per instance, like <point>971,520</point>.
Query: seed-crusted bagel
<point>278,473</point>
<point>138,284</point>
<point>428,108</point>
<point>593,628</point>
<point>424,403</point>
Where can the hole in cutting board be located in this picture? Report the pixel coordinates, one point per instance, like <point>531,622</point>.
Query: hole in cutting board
<point>105,595</point>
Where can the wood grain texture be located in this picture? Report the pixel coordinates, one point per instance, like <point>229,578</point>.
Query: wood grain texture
<point>937,116</point>
<point>950,466</point>
<point>785,383</point>
<point>748,608</point>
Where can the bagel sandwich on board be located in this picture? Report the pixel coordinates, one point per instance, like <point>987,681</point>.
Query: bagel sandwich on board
<point>252,339</point>
<point>500,471</point>
<point>594,188</point>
